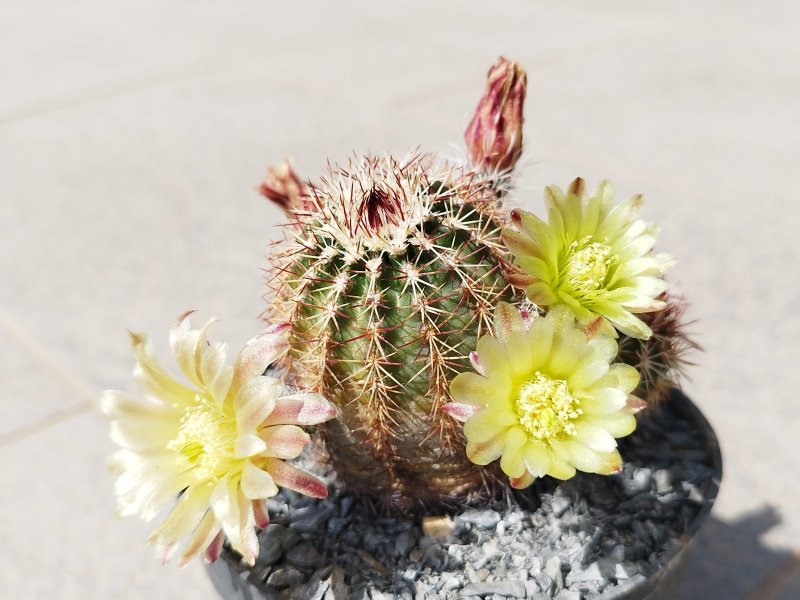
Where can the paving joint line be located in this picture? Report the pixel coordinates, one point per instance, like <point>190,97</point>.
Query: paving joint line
<point>50,420</point>
<point>109,92</point>
<point>43,357</point>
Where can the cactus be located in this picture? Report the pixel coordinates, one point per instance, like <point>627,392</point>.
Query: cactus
<point>389,278</point>
<point>390,273</point>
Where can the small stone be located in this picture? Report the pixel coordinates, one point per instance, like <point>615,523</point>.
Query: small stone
<point>695,495</point>
<point>271,544</point>
<point>405,542</point>
<point>284,577</point>
<point>506,588</point>
<point>640,482</point>
<point>315,590</point>
<point>545,583</point>
<point>337,524</point>
<point>628,584</point>
<point>310,519</point>
<point>567,595</point>
<point>663,481</point>
<point>359,594</point>
<point>617,553</point>
<point>304,556</point>
<point>625,570</point>
<point>578,574</point>
<point>553,568</point>
<point>560,504</point>
<point>531,588</point>
<point>373,540</point>
<point>438,527</point>
<point>450,583</point>
<point>483,519</point>
<point>345,504</point>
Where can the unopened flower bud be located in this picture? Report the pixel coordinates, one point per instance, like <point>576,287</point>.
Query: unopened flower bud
<point>494,136</point>
<point>283,187</point>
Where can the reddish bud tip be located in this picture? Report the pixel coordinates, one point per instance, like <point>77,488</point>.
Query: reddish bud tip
<point>494,136</point>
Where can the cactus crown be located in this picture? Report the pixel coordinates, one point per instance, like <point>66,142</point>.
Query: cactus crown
<point>390,273</point>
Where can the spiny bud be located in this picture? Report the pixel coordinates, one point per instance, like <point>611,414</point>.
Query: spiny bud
<point>494,136</point>
<point>283,187</point>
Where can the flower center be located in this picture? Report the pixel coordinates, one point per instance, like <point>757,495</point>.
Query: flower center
<point>206,439</point>
<point>546,408</point>
<point>588,265</point>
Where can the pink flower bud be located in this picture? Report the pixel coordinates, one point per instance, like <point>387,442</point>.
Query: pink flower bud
<point>494,136</point>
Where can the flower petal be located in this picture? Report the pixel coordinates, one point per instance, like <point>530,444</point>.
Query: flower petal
<point>255,401</point>
<point>284,441</point>
<point>249,444</point>
<point>204,534</point>
<point>507,320</point>
<point>523,481</point>
<point>460,412</point>
<point>295,479</point>
<point>482,453</point>
<point>256,483</point>
<point>537,459</point>
<point>261,513</point>
<point>183,519</point>
<point>225,503</point>
<point>259,353</point>
<point>560,468</point>
<point>301,409</point>
<point>603,401</point>
<point>594,437</point>
<point>248,544</point>
<point>471,388</point>
<point>489,423</point>
<point>151,376</point>
<point>618,424</point>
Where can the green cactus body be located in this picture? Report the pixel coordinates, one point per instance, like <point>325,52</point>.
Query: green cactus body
<point>391,273</point>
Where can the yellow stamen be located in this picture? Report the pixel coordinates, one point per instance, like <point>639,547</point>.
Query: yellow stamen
<point>206,439</point>
<point>588,265</point>
<point>546,408</point>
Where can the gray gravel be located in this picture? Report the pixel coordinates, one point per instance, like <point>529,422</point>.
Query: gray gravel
<point>588,535</point>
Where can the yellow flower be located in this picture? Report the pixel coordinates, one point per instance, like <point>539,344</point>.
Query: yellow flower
<point>590,257</point>
<point>547,400</point>
<point>221,439</point>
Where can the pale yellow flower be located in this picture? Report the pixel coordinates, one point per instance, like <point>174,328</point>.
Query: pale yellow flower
<point>596,259</point>
<point>219,440</point>
<point>547,400</point>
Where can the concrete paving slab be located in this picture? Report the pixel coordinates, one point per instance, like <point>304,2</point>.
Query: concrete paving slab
<point>59,525</point>
<point>133,134</point>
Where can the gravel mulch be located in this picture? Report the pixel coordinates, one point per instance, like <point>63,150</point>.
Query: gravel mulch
<point>588,535</point>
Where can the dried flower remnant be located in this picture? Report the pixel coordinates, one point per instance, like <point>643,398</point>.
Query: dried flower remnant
<point>285,188</point>
<point>219,440</point>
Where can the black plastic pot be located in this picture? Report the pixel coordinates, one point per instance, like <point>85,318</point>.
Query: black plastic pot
<point>234,582</point>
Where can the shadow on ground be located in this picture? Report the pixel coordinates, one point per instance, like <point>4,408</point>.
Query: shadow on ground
<point>731,563</point>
